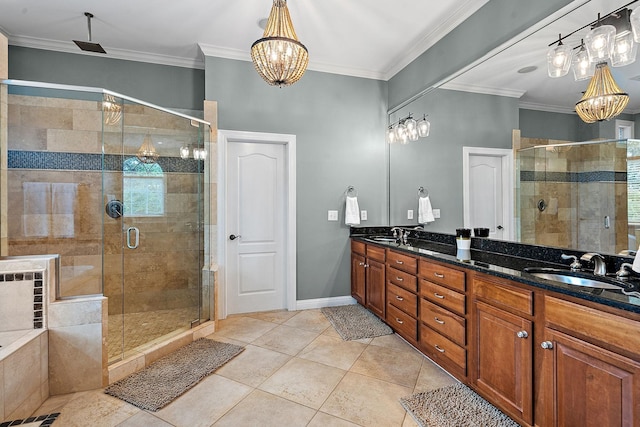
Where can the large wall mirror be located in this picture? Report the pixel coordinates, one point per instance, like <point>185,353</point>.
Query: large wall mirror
<point>510,90</point>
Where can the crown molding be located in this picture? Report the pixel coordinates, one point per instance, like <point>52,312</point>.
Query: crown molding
<point>463,11</point>
<point>485,90</point>
<point>112,53</point>
<point>546,107</point>
<point>244,55</point>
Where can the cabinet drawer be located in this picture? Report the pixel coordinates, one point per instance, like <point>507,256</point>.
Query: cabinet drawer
<point>358,247</point>
<point>402,262</point>
<point>440,347</point>
<point>594,324</point>
<point>402,299</point>
<point>442,275</point>
<point>445,297</point>
<point>504,295</point>
<point>402,323</point>
<point>443,321</point>
<point>402,279</point>
<point>375,252</point>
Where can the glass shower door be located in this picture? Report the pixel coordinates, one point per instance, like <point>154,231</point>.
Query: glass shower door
<point>156,244</point>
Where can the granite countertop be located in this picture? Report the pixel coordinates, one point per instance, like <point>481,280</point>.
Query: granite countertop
<point>511,267</point>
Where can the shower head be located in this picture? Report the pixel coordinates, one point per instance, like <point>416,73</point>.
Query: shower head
<point>89,46</point>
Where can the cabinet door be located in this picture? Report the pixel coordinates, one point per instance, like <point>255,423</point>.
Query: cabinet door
<point>588,385</point>
<point>358,278</point>
<point>503,356</point>
<point>375,289</point>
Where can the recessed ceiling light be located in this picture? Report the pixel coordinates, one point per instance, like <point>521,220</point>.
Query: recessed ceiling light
<point>262,23</point>
<point>528,69</point>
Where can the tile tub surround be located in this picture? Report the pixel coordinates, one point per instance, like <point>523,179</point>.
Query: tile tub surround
<point>21,300</point>
<point>24,375</point>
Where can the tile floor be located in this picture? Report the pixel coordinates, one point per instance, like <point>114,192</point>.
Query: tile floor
<point>295,371</point>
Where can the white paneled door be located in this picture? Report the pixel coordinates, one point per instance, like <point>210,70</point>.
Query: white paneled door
<point>256,212</point>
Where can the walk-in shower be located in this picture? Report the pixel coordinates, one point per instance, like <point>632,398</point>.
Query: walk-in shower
<point>110,183</point>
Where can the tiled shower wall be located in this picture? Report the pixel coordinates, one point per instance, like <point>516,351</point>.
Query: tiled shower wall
<point>56,203</point>
<point>580,186</point>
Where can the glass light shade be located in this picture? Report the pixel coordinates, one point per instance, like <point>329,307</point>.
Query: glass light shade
<point>184,152</point>
<point>582,67</point>
<point>391,135</point>
<point>603,98</point>
<point>559,60</point>
<point>423,127</point>
<point>599,42</point>
<point>401,133</point>
<point>624,51</point>
<point>635,24</point>
<point>199,153</point>
<point>278,56</point>
<point>411,124</point>
<point>413,134</point>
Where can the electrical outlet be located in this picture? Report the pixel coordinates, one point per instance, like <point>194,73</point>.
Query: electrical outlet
<point>410,214</point>
<point>363,215</point>
<point>436,213</point>
<point>332,216</point>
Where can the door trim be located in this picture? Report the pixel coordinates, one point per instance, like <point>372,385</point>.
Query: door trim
<point>289,141</point>
<point>508,188</point>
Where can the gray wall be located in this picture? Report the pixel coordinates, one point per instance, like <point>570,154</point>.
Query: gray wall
<point>339,123</point>
<point>546,125</point>
<point>458,119</point>
<point>163,85</point>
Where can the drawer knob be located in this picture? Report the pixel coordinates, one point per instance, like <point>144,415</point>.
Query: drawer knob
<point>399,279</point>
<point>399,321</point>
<point>522,334</point>
<point>547,345</point>
<point>437,295</point>
<point>438,320</point>
<point>399,298</point>
<point>399,262</point>
<point>441,350</point>
<point>439,275</point>
<point>366,265</point>
<point>361,263</point>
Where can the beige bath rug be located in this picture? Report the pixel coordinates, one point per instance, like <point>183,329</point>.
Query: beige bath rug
<point>454,406</point>
<point>354,322</point>
<point>161,382</point>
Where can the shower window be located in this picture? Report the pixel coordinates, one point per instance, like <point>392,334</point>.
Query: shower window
<point>144,188</point>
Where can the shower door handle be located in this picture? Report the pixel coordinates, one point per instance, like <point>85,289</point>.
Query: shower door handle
<point>136,235</point>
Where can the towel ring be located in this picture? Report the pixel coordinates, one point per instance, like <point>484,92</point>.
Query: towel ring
<point>422,192</point>
<point>351,191</point>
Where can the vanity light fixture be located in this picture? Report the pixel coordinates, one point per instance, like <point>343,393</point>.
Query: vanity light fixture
<point>582,67</point>
<point>198,153</point>
<point>559,59</point>
<point>278,56</point>
<point>408,129</point>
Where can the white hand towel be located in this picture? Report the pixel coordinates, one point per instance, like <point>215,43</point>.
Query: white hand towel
<point>352,211</point>
<point>636,262</point>
<point>425,213</point>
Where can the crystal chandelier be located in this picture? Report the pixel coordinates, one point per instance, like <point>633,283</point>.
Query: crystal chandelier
<point>278,56</point>
<point>147,152</point>
<point>603,98</point>
<point>111,110</point>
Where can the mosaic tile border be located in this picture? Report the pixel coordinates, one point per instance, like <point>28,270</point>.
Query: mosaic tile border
<point>47,420</point>
<point>595,176</point>
<point>48,160</point>
<point>38,295</point>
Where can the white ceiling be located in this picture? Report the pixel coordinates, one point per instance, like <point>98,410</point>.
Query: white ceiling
<point>499,74</point>
<point>365,38</point>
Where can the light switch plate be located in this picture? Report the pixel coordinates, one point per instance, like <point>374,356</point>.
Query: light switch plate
<point>410,214</point>
<point>436,213</point>
<point>332,216</point>
<point>363,215</point>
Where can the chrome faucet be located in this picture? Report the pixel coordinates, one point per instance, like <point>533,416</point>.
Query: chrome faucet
<point>600,268</point>
<point>395,231</point>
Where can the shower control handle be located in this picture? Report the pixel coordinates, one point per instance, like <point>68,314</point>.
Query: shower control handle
<point>136,232</point>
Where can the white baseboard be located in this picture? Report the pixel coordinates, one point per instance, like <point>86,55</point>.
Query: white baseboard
<point>308,304</point>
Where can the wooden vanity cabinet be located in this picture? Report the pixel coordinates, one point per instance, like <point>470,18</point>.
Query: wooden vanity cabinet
<point>443,334</point>
<point>367,276</point>
<point>590,373</point>
<point>502,345</point>
<point>402,295</point>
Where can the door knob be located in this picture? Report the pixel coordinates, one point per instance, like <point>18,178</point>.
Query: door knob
<point>500,227</point>
<point>234,237</point>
